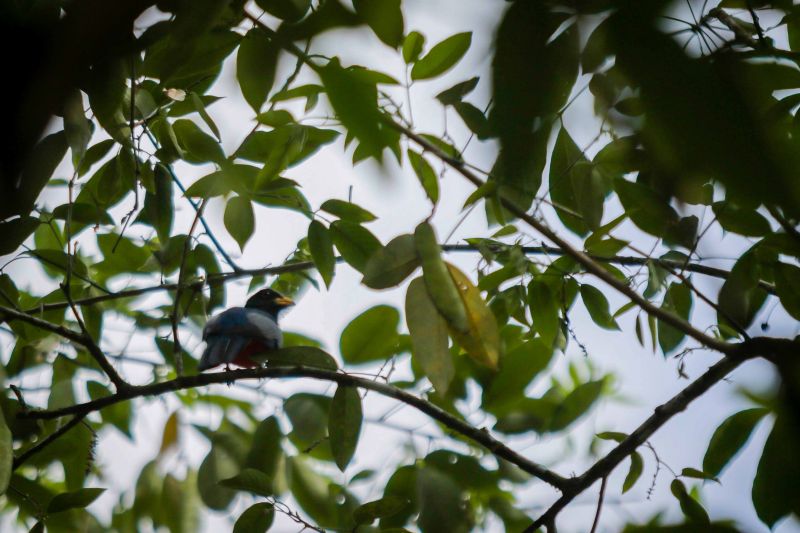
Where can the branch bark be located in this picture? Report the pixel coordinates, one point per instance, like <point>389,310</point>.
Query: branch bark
<point>478,435</point>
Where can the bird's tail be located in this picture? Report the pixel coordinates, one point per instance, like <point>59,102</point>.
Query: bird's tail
<point>220,349</point>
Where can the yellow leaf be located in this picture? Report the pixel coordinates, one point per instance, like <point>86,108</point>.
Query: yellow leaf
<point>170,437</point>
<point>482,340</point>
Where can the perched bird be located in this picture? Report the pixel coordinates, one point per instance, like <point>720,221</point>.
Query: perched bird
<point>238,333</point>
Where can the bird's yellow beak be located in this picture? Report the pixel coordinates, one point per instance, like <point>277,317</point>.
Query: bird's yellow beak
<point>283,301</point>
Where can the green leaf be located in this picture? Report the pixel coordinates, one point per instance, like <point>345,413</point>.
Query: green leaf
<point>275,118</point>
<point>440,499</point>
<point>240,220</point>
<point>429,339</point>
<point>309,356</point>
<point>425,174</point>
<point>649,211</point>
<point>384,17</point>
<point>41,164</point>
<point>250,480</point>
<point>545,310</point>
<point>77,129</point>
<point>288,10</point>
<point>474,119</point>
<point>321,248</point>
<point>310,489</point>
<point>690,507</point>
<point>412,46</point>
<point>219,464</point>
<point>775,489</point>
<point>344,424</point>
<point>748,222</point>
<point>697,474</point>
<point>266,454</point>
<point>517,369</point>
<point>457,92</point>
<point>354,242</point>
<point>576,404</point>
<point>200,107</point>
<point>616,436</point>
<point>729,438</point>
<point>13,233</point>
<point>391,264</point>
<point>597,305</point>
<point>257,518</point>
<point>740,298</point>
<point>118,415</point>
<point>255,66</point>
<point>94,154</point>
<point>73,500</point>
<point>6,454</point>
<point>347,211</point>
<point>309,415</point>
<point>533,72</point>
<point>371,336</point>
<point>158,205</point>
<point>568,160</point>
<point>634,472</point>
<point>787,286</point>
<point>442,57</point>
<point>371,511</point>
<point>198,145</point>
<point>354,98</point>
<point>677,300</point>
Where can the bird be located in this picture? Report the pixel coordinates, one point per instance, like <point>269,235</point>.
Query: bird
<point>238,333</point>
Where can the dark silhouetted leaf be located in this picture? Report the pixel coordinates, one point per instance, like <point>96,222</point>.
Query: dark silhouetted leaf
<point>344,424</point>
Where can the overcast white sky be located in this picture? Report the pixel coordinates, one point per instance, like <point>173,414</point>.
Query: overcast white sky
<point>644,380</point>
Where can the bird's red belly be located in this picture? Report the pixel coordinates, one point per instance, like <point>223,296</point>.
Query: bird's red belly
<point>243,358</point>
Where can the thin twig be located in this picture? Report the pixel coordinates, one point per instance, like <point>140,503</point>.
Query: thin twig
<point>596,521</point>
<point>176,314</point>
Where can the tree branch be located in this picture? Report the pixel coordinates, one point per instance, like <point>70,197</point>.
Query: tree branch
<point>27,454</point>
<point>591,266</point>
<point>81,338</point>
<point>662,414</point>
<point>478,435</point>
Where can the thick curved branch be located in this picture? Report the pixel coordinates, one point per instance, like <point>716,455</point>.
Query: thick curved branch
<point>478,435</point>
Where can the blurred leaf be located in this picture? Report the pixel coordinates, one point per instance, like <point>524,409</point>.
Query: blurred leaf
<point>240,220</point>
<point>71,500</point>
<point>775,489</point>
<point>576,404</point>
<point>250,480</point>
<point>255,66</point>
<point>441,504</point>
<point>200,107</point>
<point>371,336</point>
<point>517,369</point>
<point>597,305</point>
<point>257,518</point>
<point>354,242</point>
<point>787,286</point>
<point>321,248</point>
<point>425,174</point>
<point>568,161</point>
<point>740,298</point>
<point>371,511</point>
<point>38,170</point>
<point>288,10</point>
<point>118,414</point>
<point>412,46</point>
<point>77,129</point>
<point>266,453</point>
<point>347,211</point>
<point>14,232</point>
<point>729,438</point>
<point>391,264</point>
<point>309,356</point>
<point>746,222</point>
<point>344,424</point>
<point>311,492</point>
<point>169,438</point>
<point>6,454</point>
<point>384,17</point>
<point>457,92</point>
<point>634,472</point>
<point>429,338</point>
<point>219,464</point>
<point>442,56</point>
<point>474,119</point>
<point>677,300</point>
<point>690,507</point>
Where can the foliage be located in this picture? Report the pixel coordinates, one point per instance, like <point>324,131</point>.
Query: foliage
<point>696,139</point>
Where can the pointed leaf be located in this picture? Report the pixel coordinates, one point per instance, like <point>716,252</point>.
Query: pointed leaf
<point>442,56</point>
<point>255,66</point>
<point>257,518</point>
<point>344,424</point>
<point>391,264</point>
<point>321,248</point>
<point>482,340</point>
<point>429,339</point>
<point>240,220</point>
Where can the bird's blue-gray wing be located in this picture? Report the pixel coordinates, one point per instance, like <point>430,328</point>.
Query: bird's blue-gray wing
<point>229,332</point>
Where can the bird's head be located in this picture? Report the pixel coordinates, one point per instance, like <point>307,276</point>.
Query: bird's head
<point>268,301</point>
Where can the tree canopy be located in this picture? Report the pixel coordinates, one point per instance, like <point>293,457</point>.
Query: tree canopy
<point>641,180</point>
